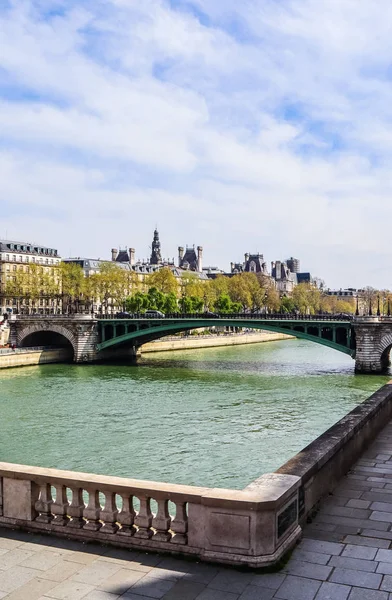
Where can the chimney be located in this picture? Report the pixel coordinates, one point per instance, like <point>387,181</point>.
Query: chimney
<point>232,267</point>
<point>246,257</point>
<point>180,255</point>
<point>114,254</point>
<point>131,256</point>
<point>272,266</point>
<point>278,267</point>
<point>199,259</point>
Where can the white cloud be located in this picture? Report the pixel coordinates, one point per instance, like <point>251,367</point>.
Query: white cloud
<point>267,130</point>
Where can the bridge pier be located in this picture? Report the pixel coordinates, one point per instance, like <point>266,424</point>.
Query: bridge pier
<point>373,343</point>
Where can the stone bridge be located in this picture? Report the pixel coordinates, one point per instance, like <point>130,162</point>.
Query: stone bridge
<point>368,340</point>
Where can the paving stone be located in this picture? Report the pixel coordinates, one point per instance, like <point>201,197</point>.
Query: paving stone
<point>381,516</point>
<point>386,583</point>
<point>14,557</point>
<point>298,588</point>
<point>96,573</point>
<point>9,544</point>
<point>270,580</point>
<point>358,523</point>
<point>385,568</point>
<point>253,592</point>
<point>348,492</point>
<point>231,581</point>
<point>98,595</point>
<point>345,511</point>
<point>151,586</point>
<point>166,573</point>
<point>61,571</point>
<point>311,557</point>
<point>383,456</point>
<point>360,594</point>
<point>343,562</point>
<point>306,569</point>
<point>382,506</point>
<point>321,547</point>
<point>32,590</point>
<point>70,590</point>
<point>359,578</point>
<point>360,540</point>
<point>377,496</point>
<point>383,535</point>
<point>365,552</point>
<point>42,560</point>
<point>354,503</point>
<point>184,590</point>
<point>333,591</point>
<point>209,594</point>
<point>384,555</point>
<point>200,573</point>
<point>120,581</point>
<point>15,577</point>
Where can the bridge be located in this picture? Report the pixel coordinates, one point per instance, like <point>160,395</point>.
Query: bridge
<point>91,338</point>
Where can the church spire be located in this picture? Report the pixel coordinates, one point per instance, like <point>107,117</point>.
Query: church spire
<point>156,257</point>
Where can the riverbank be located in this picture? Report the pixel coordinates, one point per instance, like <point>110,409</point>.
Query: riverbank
<point>31,357</point>
<point>194,342</point>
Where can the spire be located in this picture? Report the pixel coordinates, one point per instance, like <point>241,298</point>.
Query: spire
<point>156,257</point>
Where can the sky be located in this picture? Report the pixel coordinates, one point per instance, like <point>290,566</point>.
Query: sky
<point>252,126</point>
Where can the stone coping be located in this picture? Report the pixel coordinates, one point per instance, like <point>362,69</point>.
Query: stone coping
<point>331,455</point>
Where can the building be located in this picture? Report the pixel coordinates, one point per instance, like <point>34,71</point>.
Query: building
<point>18,257</point>
<point>293,264</point>
<point>253,263</point>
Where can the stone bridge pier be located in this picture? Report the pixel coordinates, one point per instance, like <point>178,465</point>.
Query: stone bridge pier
<point>373,341</point>
<point>80,333</point>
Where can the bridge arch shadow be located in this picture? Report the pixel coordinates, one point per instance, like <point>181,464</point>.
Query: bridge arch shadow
<point>384,350</point>
<point>56,337</point>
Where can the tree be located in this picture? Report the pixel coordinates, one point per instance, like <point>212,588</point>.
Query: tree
<point>137,303</point>
<point>171,303</point>
<point>239,291</point>
<point>164,280</point>
<point>223,303</point>
<point>71,284</point>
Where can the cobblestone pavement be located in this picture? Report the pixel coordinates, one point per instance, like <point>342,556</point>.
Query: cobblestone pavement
<point>346,553</point>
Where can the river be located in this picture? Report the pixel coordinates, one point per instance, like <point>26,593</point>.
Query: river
<point>215,417</point>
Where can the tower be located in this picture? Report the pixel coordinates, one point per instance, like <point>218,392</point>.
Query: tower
<point>200,259</point>
<point>156,257</point>
<point>180,255</point>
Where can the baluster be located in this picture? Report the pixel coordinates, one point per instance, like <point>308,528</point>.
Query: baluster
<point>92,511</point>
<point>126,516</point>
<point>143,519</point>
<point>161,522</point>
<point>109,513</point>
<point>60,506</point>
<point>44,503</point>
<point>76,509</point>
<point>179,525</point>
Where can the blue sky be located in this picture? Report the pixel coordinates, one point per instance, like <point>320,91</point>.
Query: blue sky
<point>240,126</point>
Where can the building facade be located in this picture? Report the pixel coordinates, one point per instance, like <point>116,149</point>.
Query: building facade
<point>18,257</point>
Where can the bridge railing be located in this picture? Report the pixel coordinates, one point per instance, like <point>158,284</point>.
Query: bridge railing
<point>231,316</point>
<point>240,527</point>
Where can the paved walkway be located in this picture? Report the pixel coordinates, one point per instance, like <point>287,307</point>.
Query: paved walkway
<point>345,554</point>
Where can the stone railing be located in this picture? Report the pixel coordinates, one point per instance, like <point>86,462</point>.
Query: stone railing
<point>252,527</point>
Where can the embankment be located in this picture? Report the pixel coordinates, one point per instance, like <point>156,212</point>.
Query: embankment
<point>194,342</point>
<point>33,357</point>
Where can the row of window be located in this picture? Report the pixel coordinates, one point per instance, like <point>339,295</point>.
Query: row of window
<point>36,249</point>
<point>26,259</point>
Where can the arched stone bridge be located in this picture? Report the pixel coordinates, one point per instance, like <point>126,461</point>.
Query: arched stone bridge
<point>366,339</point>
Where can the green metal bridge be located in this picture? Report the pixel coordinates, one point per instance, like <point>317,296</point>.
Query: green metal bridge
<point>334,331</point>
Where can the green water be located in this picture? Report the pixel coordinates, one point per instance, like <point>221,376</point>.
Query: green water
<point>214,417</point>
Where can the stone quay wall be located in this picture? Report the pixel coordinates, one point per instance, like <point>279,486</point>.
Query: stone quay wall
<point>193,342</point>
<point>323,463</point>
<point>33,357</point>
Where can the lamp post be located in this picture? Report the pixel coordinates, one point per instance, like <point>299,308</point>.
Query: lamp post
<point>378,305</point>
<point>357,310</point>
<point>370,308</point>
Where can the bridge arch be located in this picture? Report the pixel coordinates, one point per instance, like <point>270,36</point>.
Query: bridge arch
<point>38,335</point>
<point>384,349</point>
<point>157,331</point>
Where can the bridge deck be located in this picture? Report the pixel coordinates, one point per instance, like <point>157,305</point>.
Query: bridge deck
<point>345,554</point>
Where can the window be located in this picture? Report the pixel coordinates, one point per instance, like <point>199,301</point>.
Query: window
<point>14,257</point>
<point>20,258</point>
<point>33,259</point>
<point>7,257</point>
<point>27,259</point>
<point>14,268</point>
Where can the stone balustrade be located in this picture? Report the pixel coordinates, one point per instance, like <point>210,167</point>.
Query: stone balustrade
<point>253,527</point>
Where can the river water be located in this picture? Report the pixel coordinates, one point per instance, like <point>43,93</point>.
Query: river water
<point>215,417</point>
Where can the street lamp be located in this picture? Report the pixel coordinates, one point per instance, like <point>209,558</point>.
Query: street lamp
<point>378,306</point>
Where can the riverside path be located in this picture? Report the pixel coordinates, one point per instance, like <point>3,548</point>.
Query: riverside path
<point>345,554</point>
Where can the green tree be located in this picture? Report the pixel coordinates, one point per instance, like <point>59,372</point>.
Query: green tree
<point>163,280</point>
<point>223,303</point>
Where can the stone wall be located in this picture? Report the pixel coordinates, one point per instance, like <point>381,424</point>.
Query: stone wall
<point>34,357</point>
<point>212,341</point>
